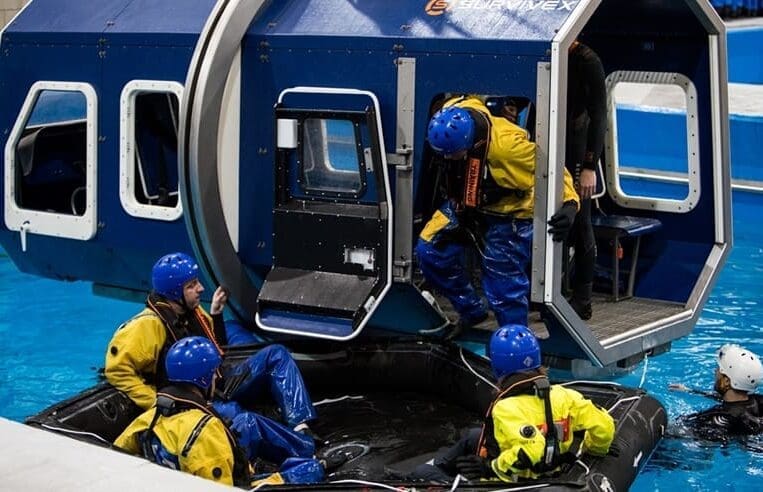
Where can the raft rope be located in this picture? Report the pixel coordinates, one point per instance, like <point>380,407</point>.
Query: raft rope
<point>643,374</point>
<point>373,484</point>
<point>341,398</point>
<point>527,487</point>
<point>585,467</point>
<point>583,381</point>
<point>618,402</point>
<point>471,369</point>
<point>70,431</point>
<point>433,302</point>
<point>456,482</point>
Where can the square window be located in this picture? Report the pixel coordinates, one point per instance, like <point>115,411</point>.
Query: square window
<point>50,162</point>
<point>652,151</point>
<point>331,157</point>
<point>149,149</point>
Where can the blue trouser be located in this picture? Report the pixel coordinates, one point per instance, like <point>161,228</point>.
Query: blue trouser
<point>236,334</point>
<point>262,437</point>
<point>505,258</point>
<point>272,368</point>
<point>298,471</point>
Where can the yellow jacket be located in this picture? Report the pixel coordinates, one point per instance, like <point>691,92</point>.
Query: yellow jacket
<point>208,455</point>
<point>569,408</point>
<point>133,353</point>
<point>511,161</point>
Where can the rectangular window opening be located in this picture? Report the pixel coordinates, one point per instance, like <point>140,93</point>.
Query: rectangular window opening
<point>149,152</point>
<point>51,155</point>
<point>652,152</point>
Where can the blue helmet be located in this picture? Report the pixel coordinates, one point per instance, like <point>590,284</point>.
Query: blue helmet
<point>451,130</point>
<point>192,360</point>
<point>171,273</point>
<point>513,348</point>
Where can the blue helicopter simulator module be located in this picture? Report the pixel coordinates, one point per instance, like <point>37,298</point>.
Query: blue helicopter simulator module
<point>283,144</point>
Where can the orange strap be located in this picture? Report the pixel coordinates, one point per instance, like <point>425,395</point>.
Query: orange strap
<point>207,329</point>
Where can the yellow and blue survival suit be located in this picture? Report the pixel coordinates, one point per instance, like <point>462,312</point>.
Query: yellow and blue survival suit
<point>135,365</point>
<point>498,192</point>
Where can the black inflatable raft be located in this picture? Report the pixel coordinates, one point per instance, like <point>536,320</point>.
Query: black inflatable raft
<point>390,406</point>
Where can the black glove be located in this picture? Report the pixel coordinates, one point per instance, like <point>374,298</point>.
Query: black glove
<point>474,467</point>
<point>561,222</point>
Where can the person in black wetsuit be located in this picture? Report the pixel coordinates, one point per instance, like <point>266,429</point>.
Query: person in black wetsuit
<point>586,127</point>
<point>740,412</point>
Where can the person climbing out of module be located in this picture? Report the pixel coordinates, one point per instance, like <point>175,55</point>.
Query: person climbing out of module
<point>135,364</point>
<point>489,163</point>
<point>531,429</point>
<point>182,430</point>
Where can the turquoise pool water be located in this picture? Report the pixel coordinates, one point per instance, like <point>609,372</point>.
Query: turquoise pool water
<point>55,333</point>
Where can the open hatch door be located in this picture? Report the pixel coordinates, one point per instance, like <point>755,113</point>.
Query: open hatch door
<point>332,216</point>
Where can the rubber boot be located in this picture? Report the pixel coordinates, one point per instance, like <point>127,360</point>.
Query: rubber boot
<point>581,300</point>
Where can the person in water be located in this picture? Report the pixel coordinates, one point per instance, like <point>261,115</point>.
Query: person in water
<point>516,440</point>
<point>489,165</point>
<point>737,376</point>
<point>182,431</point>
<point>135,363</point>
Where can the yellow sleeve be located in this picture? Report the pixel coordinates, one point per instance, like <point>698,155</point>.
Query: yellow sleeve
<point>511,156</point>
<point>132,353</point>
<point>569,189</point>
<point>597,422</point>
<point>437,223</point>
<point>508,421</point>
<point>128,439</point>
<point>210,456</point>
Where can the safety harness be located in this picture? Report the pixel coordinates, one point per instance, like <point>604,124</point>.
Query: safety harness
<point>473,185</point>
<point>553,432</point>
<point>174,400</point>
<point>177,327</point>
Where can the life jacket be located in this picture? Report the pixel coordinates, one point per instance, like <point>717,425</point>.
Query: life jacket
<point>189,324</point>
<point>173,400</point>
<point>554,434</point>
<point>473,185</point>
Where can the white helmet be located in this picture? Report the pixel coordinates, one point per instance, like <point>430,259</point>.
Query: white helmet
<point>742,367</point>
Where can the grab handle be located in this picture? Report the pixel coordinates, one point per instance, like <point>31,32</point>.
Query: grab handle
<point>25,226</point>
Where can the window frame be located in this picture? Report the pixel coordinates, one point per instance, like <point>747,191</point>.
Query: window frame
<point>616,170</point>
<point>127,154</point>
<point>82,227</point>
